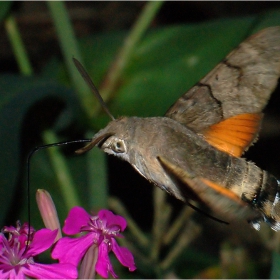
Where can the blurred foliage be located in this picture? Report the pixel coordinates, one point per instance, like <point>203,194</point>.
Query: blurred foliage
<point>163,65</point>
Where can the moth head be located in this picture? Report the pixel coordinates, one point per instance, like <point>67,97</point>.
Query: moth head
<point>112,139</point>
<point>115,146</point>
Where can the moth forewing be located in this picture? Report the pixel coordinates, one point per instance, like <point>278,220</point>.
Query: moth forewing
<point>241,83</point>
<point>215,196</point>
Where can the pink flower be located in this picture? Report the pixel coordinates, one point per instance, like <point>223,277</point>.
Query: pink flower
<point>16,259</point>
<point>19,233</point>
<point>101,231</point>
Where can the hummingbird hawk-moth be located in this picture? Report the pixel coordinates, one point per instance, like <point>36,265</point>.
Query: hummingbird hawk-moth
<point>194,151</point>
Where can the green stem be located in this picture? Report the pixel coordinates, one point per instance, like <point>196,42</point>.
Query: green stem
<point>180,221</point>
<point>18,46</point>
<point>189,233</point>
<point>114,74</point>
<point>69,47</point>
<point>97,178</point>
<point>62,172</point>
<point>161,215</point>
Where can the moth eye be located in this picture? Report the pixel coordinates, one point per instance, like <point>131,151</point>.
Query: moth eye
<point>118,146</point>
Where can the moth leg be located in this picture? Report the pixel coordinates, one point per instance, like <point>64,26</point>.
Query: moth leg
<point>255,223</point>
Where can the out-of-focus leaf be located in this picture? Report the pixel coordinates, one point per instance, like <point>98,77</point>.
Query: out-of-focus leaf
<point>17,96</point>
<point>98,52</point>
<point>266,19</point>
<point>275,270</point>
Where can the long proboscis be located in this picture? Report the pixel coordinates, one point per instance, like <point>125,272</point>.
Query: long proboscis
<point>28,176</point>
<point>91,85</point>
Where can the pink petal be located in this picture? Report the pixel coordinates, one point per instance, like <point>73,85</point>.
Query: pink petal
<point>103,265</point>
<point>2,240</point>
<point>10,275</point>
<point>72,250</point>
<point>124,255</point>
<point>51,271</point>
<point>42,240</point>
<point>77,218</point>
<point>112,219</point>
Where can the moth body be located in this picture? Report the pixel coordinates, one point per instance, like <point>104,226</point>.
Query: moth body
<point>143,141</point>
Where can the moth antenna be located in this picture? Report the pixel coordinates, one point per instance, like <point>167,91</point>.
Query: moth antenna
<point>28,177</point>
<point>91,85</point>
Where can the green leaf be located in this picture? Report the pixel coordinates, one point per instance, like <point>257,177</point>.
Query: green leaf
<point>275,270</point>
<point>18,96</point>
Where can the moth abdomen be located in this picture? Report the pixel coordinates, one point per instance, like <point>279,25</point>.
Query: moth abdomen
<point>268,197</point>
<point>261,190</point>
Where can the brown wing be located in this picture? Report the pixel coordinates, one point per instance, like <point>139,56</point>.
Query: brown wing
<point>241,83</point>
